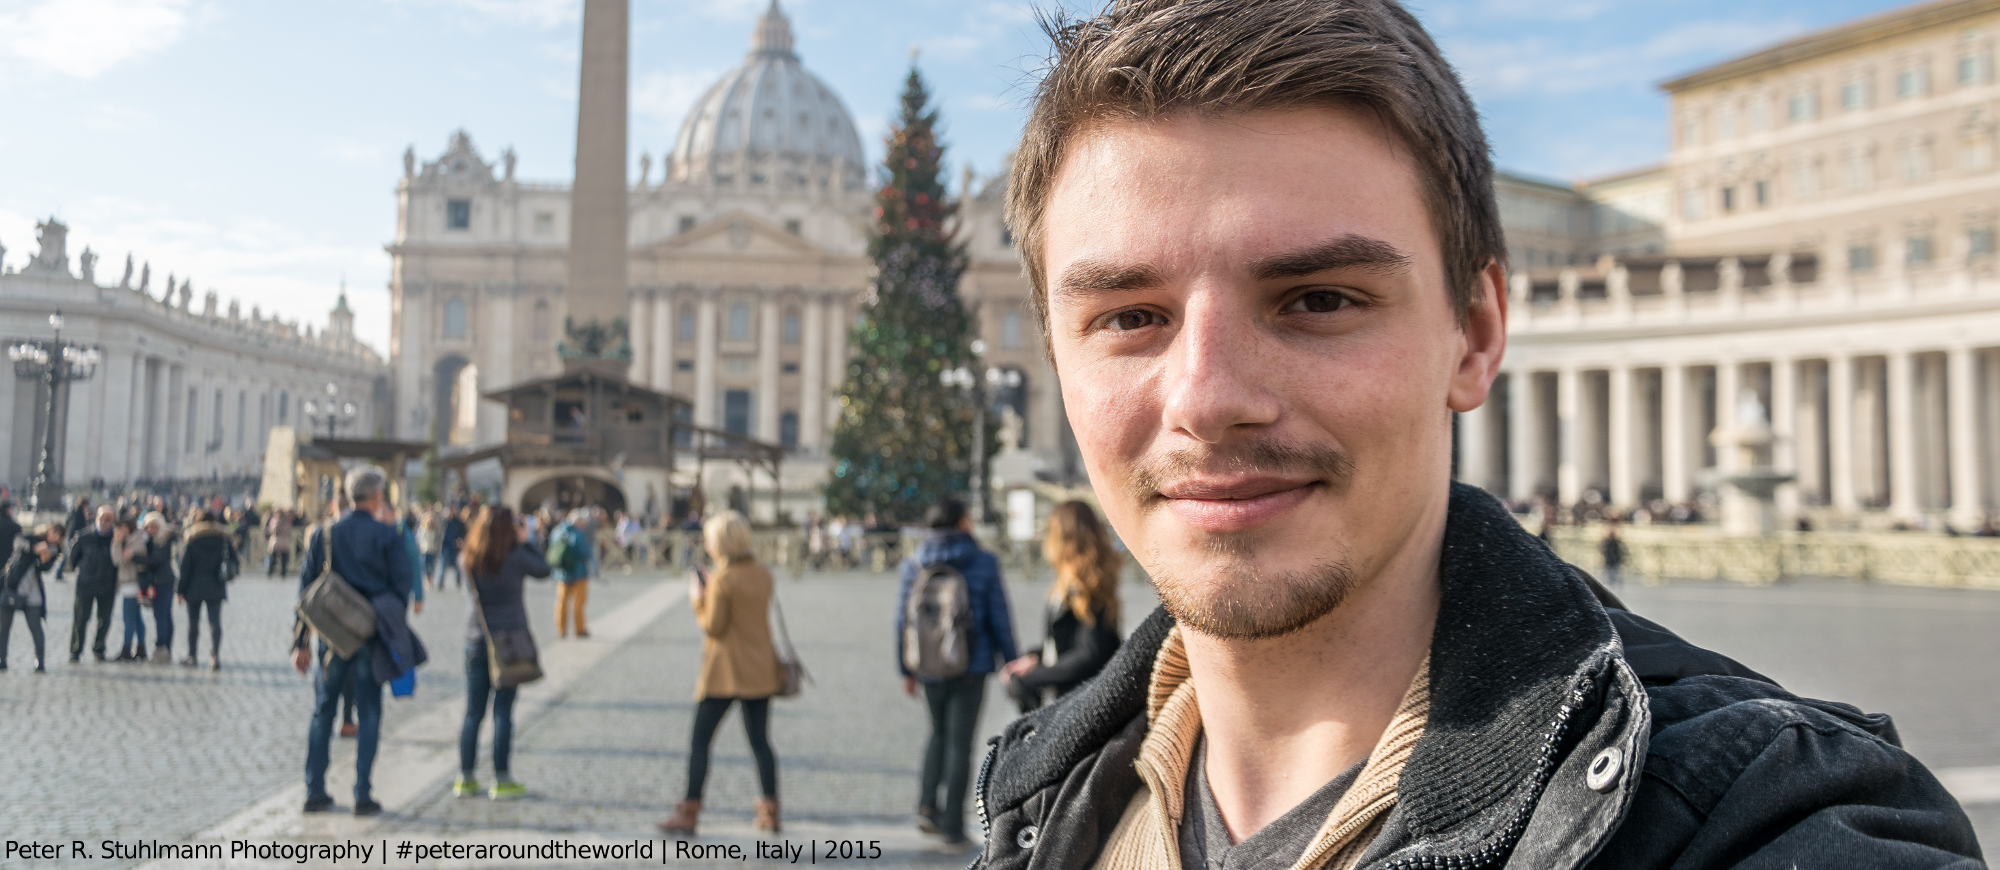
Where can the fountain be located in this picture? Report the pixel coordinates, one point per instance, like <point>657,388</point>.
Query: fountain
<point>1749,497</point>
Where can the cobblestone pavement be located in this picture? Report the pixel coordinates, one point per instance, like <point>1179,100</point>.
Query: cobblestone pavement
<point>141,752</point>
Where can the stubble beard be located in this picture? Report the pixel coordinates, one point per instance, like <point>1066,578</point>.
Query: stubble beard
<point>1226,595</point>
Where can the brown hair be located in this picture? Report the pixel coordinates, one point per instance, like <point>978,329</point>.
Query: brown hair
<point>1147,60</point>
<point>489,540</point>
<point>1085,563</point>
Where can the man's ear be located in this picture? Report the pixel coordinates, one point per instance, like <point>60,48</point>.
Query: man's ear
<point>1483,340</point>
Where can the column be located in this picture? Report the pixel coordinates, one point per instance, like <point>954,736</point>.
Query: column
<point>1728,382</point>
<point>414,407</point>
<point>812,373</point>
<point>1472,445</point>
<point>836,356</point>
<point>662,354</point>
<point>1570,433</point>
<point>1968,476</point>
<point>1622,438</point>
<point>704,360</point>
<point>1840,433</point>
<point>1524,441</point>
<point>130,440</point>
<point>1676,478</point>
<point>768,316</point>
<point>1902,438</point>
<point>638,321</point>
<point>1784,431</point>
<point>496,371</point>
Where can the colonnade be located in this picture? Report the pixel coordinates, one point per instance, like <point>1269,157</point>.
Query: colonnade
<point>1913,431</point>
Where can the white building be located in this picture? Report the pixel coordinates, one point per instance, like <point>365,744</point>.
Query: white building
<point>184,393</point>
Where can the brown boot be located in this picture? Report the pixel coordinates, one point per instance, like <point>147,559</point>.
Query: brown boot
<point>767,815</point>
<point>682,821</point>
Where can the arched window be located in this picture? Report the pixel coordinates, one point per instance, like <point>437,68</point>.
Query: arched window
<point>793,330</point>
<point>739,321</point>
<point>454,318</point>
<point>788,430</point>
<point>541,323</point>
<point>686,328</point>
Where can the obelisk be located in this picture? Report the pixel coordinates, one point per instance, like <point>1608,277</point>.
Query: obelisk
<point>596,290</point>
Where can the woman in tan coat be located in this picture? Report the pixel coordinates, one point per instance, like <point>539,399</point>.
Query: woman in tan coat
<point>738,664</point>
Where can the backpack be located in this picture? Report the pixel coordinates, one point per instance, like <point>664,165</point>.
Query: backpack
<point>559,549</point>
<point>568,552</point>
<point>937,624</point>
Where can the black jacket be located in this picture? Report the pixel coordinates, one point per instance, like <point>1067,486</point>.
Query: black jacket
<point>202,559</point>
<point>90,555</point>
<point>1562,734</point>
<point>9,530</point>
<point>1080,652</point>
<point>156,566</point>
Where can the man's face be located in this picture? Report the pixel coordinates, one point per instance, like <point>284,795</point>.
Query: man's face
<point>105,517</point>
<point>1258,354</point>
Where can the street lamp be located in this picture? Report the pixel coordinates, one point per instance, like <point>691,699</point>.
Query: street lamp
<point>333,412</point>
<point>964,378</point>
<point>56,364</point>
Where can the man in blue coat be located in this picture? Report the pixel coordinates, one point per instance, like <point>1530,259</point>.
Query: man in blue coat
<point>369,555</point>
<point>954,701</point>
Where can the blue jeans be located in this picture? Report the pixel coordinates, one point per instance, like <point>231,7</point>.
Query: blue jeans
<point>334,674</point>
<point>449,562</point>
<point>163,619</point>
<point>135,627</point>
<point>430,564</point>
<point>478,685</point>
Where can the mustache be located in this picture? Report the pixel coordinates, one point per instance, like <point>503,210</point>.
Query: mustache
<point>1275,458</point>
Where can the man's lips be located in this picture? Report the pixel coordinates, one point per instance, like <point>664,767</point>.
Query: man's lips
<point>1236,504</point>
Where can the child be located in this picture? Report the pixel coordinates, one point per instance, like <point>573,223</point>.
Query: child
<point>128,544</point>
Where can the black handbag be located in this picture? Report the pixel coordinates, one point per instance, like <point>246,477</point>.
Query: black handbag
<point>511,657</point>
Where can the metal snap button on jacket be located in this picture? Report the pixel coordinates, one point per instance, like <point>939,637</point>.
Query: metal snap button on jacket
<point>1026,838</point>
<point>1604,770</point>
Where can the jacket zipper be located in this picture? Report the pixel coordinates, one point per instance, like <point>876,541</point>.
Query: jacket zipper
<point>979,799</point>
<point>1492,851</point>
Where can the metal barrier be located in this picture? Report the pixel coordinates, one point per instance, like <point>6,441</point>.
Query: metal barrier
<point>1659,554</point>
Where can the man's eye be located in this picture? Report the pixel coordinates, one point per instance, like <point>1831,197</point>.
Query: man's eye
<point>1137,318</point>
<point>1321,302</point>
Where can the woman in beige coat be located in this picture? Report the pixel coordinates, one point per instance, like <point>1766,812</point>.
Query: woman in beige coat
<point>738,664</point>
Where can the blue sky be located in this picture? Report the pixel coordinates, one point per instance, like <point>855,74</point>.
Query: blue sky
<point>255,144</point>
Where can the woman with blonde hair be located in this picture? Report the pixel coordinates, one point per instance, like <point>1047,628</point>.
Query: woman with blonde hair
<point>738,664</point>
<point>1082,619</point>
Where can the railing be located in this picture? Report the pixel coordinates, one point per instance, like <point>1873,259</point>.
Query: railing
<point>1666,554</point>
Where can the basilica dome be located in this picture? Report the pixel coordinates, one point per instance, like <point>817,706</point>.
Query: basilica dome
<point>769,124</point>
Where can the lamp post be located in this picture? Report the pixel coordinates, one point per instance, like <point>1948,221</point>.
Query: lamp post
<point>56,364</point>
<point>333,412</point>
<point>968,379</point>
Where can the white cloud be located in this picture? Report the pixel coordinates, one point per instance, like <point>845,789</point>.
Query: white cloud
<point>669,95</point>
<point>86,38</point>
<point>531,13</point>
<point>1547,66</point>
<point>281,271</point>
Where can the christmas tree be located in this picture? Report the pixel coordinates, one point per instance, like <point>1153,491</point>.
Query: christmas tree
<point>904,438</point>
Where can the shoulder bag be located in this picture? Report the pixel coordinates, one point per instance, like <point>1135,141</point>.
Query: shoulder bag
<point>511,657</point>
<point>791,671</point>
<point>335,609</point>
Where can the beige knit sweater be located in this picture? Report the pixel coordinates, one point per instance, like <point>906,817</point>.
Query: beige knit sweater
<point>1147,834</point>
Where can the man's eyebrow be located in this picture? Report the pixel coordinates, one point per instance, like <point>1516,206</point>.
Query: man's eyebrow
<point>1086,277</point>
<point>1346,252</point>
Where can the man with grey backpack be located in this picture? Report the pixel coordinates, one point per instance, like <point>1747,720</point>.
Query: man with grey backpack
<point>953,629</point>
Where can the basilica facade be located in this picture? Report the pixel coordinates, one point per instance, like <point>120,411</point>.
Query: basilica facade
<point>747,268</point>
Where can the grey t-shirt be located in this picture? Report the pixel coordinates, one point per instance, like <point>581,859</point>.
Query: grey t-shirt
<point>1204,840</point>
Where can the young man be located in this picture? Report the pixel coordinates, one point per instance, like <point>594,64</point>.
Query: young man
<point>370,557</point>
<point>1264,238</point>
<point>954,701</point>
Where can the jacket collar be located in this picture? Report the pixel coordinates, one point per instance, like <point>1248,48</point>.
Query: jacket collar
<point>1518,641</point>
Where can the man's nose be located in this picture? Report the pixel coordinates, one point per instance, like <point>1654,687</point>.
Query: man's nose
<point>1217,369</point>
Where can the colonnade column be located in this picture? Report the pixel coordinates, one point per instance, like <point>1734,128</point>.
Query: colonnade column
<point>1784,429</point>
<point>767,367</point>
<point>1840,433</point>
<point>704,358</point>
<point>637,322</point>
<point>496,372</point>
<point>1728,382</point>
<point>1570,435</point>
<point>662,353</point>
<point>836,357</point>
<point>1676,482</point>
<point>1524,437</point>
<point>812,373</point>
<point>1622,433</point>
<point>1473,467</point>
<point>1968,497</point>
<point>134,434</point>
<point>1902,437</point>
